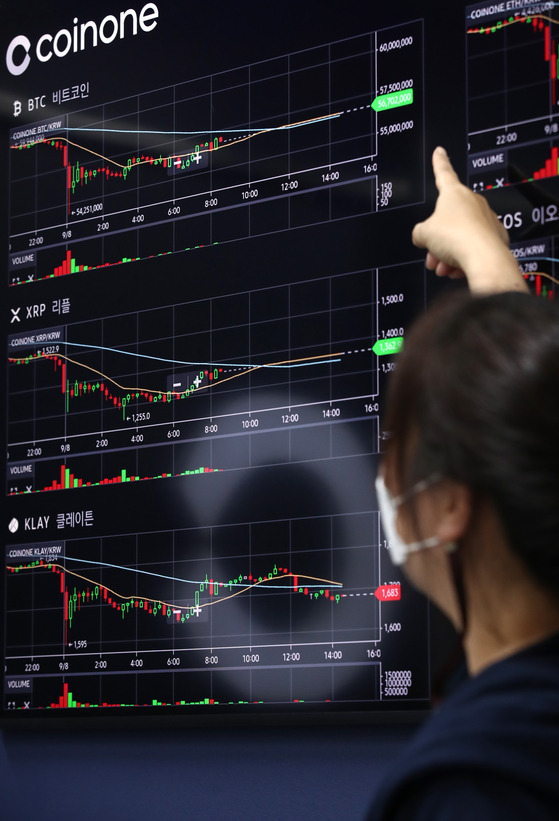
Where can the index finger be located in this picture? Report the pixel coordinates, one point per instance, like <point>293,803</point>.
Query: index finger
<point>443,169</point>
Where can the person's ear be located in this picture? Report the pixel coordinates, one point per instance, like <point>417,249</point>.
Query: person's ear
<point>454,510</point>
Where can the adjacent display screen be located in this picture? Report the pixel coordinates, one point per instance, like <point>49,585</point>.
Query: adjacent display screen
<point>513,129</point>
<point>209,279</point>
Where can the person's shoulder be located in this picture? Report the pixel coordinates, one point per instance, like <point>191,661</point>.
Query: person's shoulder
<point>511,684</point>
<point>513,701</point>
<point>498,733</point>
<point>460,797</point>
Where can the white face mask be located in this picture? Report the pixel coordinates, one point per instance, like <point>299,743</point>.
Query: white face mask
<point>388,507</point>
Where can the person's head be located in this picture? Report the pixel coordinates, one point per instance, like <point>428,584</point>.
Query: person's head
<point>473,408</point>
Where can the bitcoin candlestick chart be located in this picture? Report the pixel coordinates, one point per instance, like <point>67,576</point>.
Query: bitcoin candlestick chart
<point>284,143</point>
<point>209,285</point>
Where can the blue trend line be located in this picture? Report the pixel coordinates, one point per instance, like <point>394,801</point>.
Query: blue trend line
<point>208,131</point>
<point>545,259</point>
<point>198,364</point>
<point>186,581</point>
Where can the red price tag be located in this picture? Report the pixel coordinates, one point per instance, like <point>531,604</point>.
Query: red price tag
<point>388,592</point>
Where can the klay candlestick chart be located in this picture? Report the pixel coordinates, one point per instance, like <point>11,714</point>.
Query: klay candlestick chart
<point>299,140</point>
<point>168,607</point>
<point>215,592</point>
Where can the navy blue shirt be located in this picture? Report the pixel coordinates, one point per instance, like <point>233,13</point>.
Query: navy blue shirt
<point>490,753</point>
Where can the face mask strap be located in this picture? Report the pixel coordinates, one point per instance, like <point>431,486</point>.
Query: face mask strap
<point>458,581</point>
<point>450,547</point>
<point>432,541</point>
<point>419,487</point>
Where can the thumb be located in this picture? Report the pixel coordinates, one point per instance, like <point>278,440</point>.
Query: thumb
<point>419,234</point>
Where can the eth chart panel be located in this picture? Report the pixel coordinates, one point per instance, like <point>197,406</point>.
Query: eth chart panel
<point>203,309</point>
<point>513,127</point>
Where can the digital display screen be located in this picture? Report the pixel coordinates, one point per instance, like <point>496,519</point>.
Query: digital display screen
<point>206,219</point>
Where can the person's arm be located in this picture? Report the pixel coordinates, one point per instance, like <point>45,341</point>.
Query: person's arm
<point>464,237</point>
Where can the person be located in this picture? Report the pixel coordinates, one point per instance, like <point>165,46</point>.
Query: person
<point>469,495</point>
<point>465,238</point>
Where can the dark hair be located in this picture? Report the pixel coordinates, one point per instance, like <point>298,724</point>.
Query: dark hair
<point>476,392</point>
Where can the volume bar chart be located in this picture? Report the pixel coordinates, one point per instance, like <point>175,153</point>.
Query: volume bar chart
<point>70,266</point>
<point>551,167</point>
<point>68,481</point>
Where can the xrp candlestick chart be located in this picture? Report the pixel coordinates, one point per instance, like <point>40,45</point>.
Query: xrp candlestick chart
<point>203,313</point>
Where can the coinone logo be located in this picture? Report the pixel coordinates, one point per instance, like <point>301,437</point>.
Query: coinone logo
<point>79,38</point>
